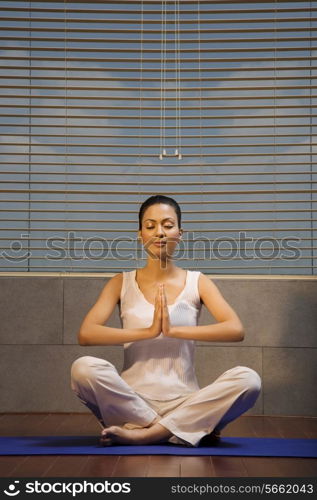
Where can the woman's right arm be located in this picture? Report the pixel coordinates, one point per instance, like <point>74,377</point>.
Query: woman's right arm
<point>93,331</point>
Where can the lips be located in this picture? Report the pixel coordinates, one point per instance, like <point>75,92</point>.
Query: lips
<point>159,243</point>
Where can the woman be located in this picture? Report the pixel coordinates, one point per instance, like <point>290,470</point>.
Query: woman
<point>156,397</point>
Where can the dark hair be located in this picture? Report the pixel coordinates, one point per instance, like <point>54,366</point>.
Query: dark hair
<point>160,198</point>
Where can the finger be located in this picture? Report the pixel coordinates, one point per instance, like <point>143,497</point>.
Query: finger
<point>159,314</point>
<point>158,305</point>
<point>158,297</point>
<point>164,297</point>
<point>161,298</point>
<point>159,292</point>
<point>161,295</point>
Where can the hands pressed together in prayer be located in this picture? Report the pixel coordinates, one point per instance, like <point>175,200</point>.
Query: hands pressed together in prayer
<point>161,320</point>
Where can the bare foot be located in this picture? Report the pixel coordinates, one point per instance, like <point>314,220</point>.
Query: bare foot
<point>114,434</point>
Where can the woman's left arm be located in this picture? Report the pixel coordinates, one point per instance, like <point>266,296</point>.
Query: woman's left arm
<point>229,327</point>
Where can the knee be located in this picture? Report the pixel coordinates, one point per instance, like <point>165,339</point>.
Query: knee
<point>84,369</point>
<point>81,370</point>
<point>249,379</point>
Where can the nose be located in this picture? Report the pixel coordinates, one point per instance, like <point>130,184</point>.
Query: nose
<point>160,231</point>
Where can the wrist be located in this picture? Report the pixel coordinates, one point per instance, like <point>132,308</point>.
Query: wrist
<point>172,332</point>
<point>150,333</point>
<point>146,333</point>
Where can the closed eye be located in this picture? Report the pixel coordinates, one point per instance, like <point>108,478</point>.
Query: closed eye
<point>167,227</point>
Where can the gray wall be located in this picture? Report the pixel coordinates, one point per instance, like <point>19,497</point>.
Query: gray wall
<point>40,317</point>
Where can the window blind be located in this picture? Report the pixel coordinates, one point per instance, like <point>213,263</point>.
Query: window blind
<point>92,91</point>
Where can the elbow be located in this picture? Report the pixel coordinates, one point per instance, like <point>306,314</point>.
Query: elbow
<point>239,333</point>
<point>236,330</point>
<point>82,338</point>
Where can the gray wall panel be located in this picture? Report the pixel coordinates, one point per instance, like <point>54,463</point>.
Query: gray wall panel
<point>37,378</point>
<point>291,376</point>
<point>31,310</point>
<point>274,312</point>
<point>80,294</point>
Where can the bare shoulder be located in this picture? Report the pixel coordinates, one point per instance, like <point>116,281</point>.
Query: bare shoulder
<point>117,280</point>
<point>205,283</point>
<point>112,287</point>
<point>101,311</point>
<point>213,299</point>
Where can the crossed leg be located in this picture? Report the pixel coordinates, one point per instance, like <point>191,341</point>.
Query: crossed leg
<point>129,419</point>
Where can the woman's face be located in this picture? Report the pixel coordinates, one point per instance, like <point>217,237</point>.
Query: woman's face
<point>160,232</point>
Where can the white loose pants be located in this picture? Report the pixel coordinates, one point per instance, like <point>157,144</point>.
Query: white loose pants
<point>99,386</point>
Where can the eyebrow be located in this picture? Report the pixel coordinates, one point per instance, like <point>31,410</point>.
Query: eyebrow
<point>166,218</point>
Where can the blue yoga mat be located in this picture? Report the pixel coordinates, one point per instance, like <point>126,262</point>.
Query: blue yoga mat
<point>89,445</point>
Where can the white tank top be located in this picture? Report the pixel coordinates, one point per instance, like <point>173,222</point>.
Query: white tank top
<point>161,368</point>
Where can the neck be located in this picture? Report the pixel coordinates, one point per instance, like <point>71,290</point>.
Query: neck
<point>158,269</point>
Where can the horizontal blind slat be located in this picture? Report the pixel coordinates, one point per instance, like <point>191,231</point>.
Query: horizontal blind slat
<point>146,51</point>
<point>123,221</point>
<point>189,165</point>
<point>155,70</point>
<point>153,117</point>
<point>168,2</point>
<point>147,79</point>
<point>158,40</point>
<point>214,193</point>
<point>66,8</point>
<point>168,108</point>
<point>69,29</point>
<point>138,20</point>
<point>150,89</point>
<point>30,135</point>
<point>146,60</point>
<point>126,231</point>
<point>91,145</point>
<point>253,211</point>
<point>160,183</point>
<point>151,98</point>
<point>133,202</point>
